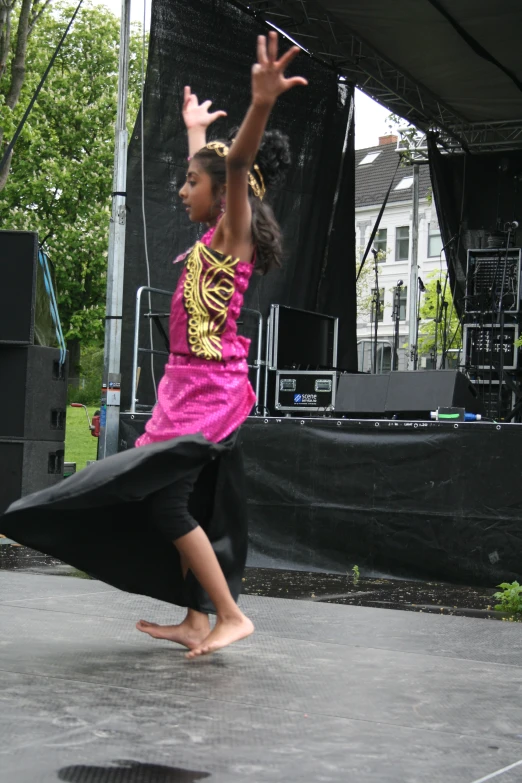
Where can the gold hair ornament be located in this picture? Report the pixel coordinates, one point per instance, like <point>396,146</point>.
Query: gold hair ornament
<point>257,185</point>
<point>217,146</point>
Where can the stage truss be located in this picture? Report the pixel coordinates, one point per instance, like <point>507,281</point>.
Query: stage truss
<point>333,42</point>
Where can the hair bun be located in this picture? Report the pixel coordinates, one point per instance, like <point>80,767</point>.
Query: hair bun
<point>273,157</point>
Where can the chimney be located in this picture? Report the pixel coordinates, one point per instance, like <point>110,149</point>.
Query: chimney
<point>389,139</point>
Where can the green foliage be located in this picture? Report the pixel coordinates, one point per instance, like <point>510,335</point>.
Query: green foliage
<point>510,598</point>
<point>60,181</point>
<point>428,314</point>
<point>356,574</point>
<point>409,136</point>
<point>91,375</point>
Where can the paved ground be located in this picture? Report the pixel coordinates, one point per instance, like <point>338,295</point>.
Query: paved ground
<point>322,692</point>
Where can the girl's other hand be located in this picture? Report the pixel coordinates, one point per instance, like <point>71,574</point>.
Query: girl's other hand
<point>197,115</point>
<point>268,79</point>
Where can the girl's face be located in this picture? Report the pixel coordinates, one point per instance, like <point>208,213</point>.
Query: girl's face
<point>197,196</point>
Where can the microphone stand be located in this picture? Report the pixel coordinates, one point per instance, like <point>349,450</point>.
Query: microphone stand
<point>415,351</point>
<point>377,310</point>
<point>444,334</point>
<point>396,316</point>
<point>437,322</point>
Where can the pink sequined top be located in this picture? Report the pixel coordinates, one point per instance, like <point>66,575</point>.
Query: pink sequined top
<point>205,388</point>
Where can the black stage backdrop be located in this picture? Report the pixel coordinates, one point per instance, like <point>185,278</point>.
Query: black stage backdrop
<point>421,499</point>
<point>428,500</point>
<point>211,46</point>
<point>473,194</point>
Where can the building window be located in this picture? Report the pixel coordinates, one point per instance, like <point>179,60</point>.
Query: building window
<point>380,313</point>
<point>381,241</point>
<point>404,184</point>
<point>434,241</point>
<point>402,243</point>
<point>369,158</point>
<point>384,358</point>
<point>403,302</point>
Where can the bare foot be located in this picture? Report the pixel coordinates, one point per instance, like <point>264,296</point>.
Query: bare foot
<point>225,632</point>
<point>187,633</point>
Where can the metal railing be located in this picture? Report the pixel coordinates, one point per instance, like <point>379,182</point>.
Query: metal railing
<point>137,350</point>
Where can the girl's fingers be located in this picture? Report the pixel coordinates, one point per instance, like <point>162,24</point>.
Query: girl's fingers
<point>216,115</point>
<point>272,46</point>
<point>206,105</point>
<point>287,57</point>
<point>295,81</point>
<point>262,59</point>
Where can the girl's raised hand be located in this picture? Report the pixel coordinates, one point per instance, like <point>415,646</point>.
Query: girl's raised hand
<point>268,79</point>
<point>196,115</point>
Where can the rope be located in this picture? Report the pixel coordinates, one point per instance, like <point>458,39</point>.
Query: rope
<point>53,305</point>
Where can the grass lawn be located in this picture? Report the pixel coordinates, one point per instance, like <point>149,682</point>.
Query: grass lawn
<point>79,443</point>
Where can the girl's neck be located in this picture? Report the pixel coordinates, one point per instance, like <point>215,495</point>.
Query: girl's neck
<point>215,222</point>
<point>209,233</point>
<point>211,230</point>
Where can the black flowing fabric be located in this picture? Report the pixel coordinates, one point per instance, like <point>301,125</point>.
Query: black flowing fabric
<point>96,520</point>
<point>211,45</point>
<point>474,196</point>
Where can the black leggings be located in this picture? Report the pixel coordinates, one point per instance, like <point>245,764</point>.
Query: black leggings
<point>168,509</point>
<point>177,509</point>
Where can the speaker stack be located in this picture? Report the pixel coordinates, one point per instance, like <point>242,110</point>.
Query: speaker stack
<point>33,379</point>
<point>493,321</point>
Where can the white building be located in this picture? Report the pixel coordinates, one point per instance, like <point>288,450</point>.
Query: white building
<point>374,169</point>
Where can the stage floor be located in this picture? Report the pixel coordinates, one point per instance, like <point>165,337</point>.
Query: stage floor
<point>322,692</point>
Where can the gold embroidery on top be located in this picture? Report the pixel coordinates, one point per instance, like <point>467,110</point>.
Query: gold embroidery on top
<point>207,292</point>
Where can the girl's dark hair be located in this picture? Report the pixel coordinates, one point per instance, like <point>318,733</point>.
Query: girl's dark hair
<point>273,159</point>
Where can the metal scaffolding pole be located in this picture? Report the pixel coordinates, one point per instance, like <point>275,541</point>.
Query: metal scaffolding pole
<point>110,408</point>
<point>414,271</point>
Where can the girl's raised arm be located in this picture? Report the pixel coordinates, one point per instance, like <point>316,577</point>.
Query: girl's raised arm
<point>197,118</point>
<point>268,83</point>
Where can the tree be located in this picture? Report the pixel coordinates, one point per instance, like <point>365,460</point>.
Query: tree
<point>13,51</point>
<point>410,136</point>
<point>428,314</point>
<point>61,172</point>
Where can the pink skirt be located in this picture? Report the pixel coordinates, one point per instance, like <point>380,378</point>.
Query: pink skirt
<point>200,396</point>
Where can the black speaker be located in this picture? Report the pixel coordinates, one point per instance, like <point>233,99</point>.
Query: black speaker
<point>33,393</point>
<point>27,466</point>
<point>424,391</point>
<point>18,268</point>
<point>406,394</point>
<point>362,393</point>
<point>26,317</point>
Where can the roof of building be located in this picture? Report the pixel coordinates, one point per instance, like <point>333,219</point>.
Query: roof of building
<point>372,179</point>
